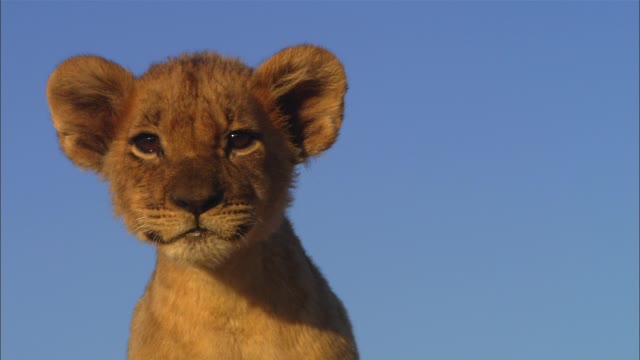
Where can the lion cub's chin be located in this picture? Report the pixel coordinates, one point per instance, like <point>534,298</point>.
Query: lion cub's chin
<point>210,248</point>
<point>206,250</point>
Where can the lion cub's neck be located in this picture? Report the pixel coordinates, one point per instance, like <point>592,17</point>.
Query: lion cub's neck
<point>269,274</point>
<point>268,302</point>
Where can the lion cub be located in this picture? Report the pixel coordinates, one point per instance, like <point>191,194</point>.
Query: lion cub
<point>200,153</point>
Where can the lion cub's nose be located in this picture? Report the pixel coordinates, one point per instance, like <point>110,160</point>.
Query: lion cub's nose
<point>197,205</point>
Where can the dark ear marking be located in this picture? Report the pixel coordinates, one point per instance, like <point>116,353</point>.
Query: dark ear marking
<point>290,103</point>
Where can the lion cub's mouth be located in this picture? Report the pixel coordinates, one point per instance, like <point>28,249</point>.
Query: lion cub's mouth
<point>192,234</point>
<point>231,222</point>
<point>199,233</point>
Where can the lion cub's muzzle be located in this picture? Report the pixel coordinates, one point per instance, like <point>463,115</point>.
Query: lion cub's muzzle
<point>198,208</point>
<point>195,191</point>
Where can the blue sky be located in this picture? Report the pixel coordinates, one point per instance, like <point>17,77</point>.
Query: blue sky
<point>481,201</point>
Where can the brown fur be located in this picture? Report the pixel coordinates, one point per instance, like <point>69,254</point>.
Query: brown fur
<point>241,285</point>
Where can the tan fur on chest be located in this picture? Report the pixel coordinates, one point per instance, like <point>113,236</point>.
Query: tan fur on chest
<point>266,317</point>
<point>200,153</point>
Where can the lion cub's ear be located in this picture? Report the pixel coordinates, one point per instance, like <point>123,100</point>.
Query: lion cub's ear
<point>87,97</point>
<point>308,85</point>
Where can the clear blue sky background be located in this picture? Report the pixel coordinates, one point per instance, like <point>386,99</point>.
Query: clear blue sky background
<point>481,202</point>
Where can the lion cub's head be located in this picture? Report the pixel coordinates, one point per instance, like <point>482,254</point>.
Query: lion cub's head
<point>199,151</point>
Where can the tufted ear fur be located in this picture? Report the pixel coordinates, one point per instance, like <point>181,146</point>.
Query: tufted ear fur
<point>87,97</point>
<point>307,84</point>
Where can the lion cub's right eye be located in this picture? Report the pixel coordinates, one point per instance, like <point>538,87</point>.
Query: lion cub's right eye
<point>146,144</point>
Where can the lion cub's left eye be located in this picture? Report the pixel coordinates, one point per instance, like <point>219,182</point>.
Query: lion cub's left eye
<point>240,139</point>
<point>147,143</point>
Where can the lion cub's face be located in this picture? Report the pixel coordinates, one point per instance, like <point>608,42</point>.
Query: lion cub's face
<point>200,150</point>
<point>199,169</point>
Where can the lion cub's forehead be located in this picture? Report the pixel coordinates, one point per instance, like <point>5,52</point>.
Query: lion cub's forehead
<point>204,63</point>
<point>194,90</point>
